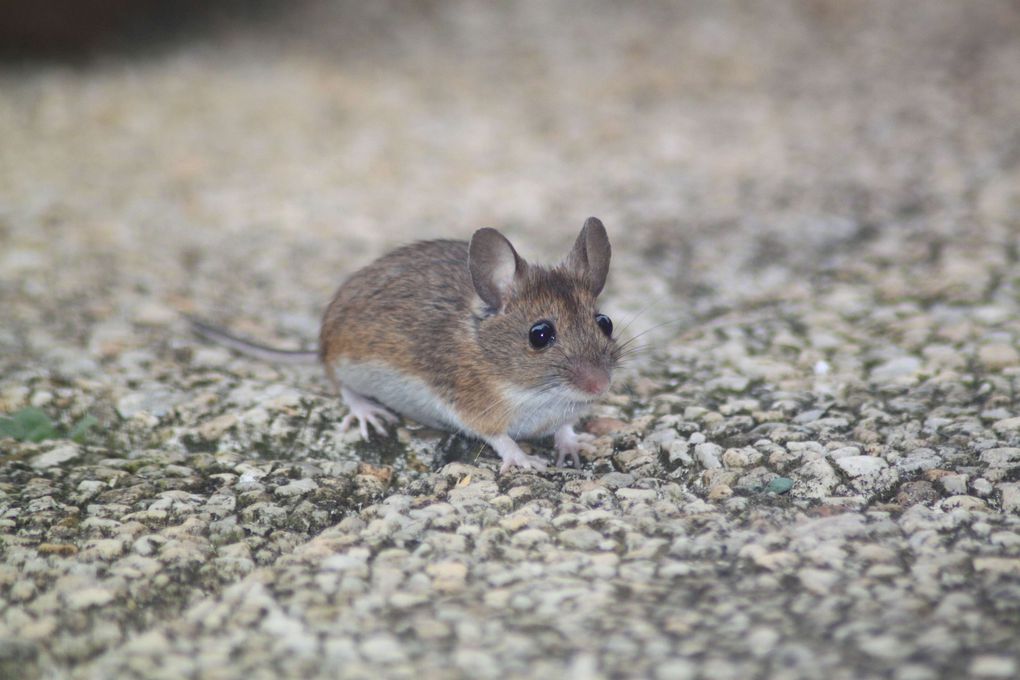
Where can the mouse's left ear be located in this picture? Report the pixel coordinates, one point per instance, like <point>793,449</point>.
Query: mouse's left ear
<point>590,255</point>
<point>494,266</point>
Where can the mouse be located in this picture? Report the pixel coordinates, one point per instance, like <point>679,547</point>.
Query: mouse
<point>469,337</point>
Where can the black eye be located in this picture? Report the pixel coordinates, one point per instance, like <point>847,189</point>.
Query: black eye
<point>605,323</point>
<point>542,334</point>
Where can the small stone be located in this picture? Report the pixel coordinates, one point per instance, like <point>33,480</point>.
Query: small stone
<point>530,537</point>
<point>806,417</point>
<point>740,458</point>
<point>89,597</point>
<point>858,466</point>
<point>844,452</point>
<point>679,453</point>
<point>955,484</point>
<point>581,538</point>
<point>215,428</point>
<point>989,666</point>
<point>919,459</point>
<point>779,560</point>
<point>779,485</point>
<point>708,455</point>
<point>156,401</point>
<point>982,487</point>
<point>1007,425</point>
<point>998,565</point>
<point>447,576</point>
<point>814,479</point>
<point>719,492</point>
<point>298,487</point>
<point>818,581</point>
<point>998,355</point>
<point>963,502</point>
<point>603,426</point>
<point>55,457</point>
<point>1010,497</point>
<point>637,495</point>
<point>728,383</point>
<point>382,648</point>
<point>22,590</point>
<point>919,491</point>
<point>1001,456</point>
<point>896,369</point>
<point>676,669</point>
<point>694,413</point>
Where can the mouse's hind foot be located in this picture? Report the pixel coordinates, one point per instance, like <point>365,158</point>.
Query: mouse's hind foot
<point>512,455</point>
<point>366,412</point>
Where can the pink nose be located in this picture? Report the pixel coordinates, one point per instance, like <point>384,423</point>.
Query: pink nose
<point>592,379</point>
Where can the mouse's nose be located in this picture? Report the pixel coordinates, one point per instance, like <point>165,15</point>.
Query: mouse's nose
<point>592,379</point>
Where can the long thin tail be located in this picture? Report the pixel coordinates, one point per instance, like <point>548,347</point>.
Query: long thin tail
<point>252,349</point>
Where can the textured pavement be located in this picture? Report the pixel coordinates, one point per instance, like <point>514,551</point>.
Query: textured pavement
<point>811,469</point>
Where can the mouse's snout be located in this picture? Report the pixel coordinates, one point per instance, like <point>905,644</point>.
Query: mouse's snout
<point>591,379</point>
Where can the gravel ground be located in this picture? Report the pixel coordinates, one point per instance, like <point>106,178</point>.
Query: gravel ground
<point>812,470</point>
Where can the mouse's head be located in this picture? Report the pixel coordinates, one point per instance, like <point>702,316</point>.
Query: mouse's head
<point>541,327</point>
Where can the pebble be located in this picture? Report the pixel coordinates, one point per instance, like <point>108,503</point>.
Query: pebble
<point>581,538</point>
<point>605,426</point>
<point>896,369</point>
<point>963,502</point>
<point>857,466</point>
<point>997,356</point>
<point>299,487</point>
<point>982,487</point>
<point>382,648</point>
<point>708,455</point>
<point>815,479</point>
<point>719,492</point>
<point>57,456</point>
<point>86,598</point>
<point>993,666</point>
<point>1010,493</point>
<point>779,485</point>
<point>818,581</point>
<point>1001,456</point>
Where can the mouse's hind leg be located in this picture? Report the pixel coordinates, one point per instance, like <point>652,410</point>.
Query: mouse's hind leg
<point>361,409</point>
<point>366,412</point>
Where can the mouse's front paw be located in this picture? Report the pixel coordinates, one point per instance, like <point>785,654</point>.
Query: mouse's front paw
<point>571,443</point>
<point>366,412</point>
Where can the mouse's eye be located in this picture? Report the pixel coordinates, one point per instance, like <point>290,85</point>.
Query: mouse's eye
<point>605,323</point>
<point>542,334</point>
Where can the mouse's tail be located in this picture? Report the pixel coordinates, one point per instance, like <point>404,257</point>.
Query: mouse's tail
<point>252,349</point>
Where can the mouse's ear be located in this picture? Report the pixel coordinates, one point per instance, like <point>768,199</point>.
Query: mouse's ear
<point>494,265</point>
<point>590,255</point>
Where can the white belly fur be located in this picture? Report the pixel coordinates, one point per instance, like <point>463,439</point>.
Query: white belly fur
<point>537,414</point>
<point>404,394</point>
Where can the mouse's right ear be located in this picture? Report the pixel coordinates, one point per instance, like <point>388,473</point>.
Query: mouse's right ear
<point>590,255</point>
<point>494,265</point>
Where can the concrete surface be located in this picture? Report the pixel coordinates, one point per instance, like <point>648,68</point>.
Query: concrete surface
<point>812,469</point>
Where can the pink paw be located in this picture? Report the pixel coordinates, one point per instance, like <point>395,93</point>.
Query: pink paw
<point>366,412</point>
<point>570,443</point>
<point>512,455</point>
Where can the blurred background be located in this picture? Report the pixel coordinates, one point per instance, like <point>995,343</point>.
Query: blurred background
<point>239,159</point>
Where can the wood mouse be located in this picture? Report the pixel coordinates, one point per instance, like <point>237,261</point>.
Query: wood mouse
<point>469,337</point>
